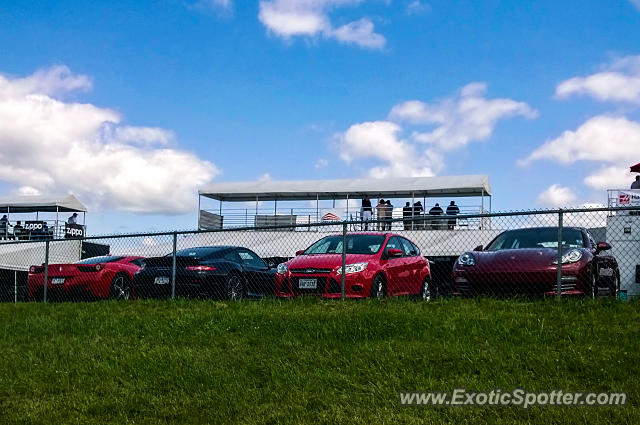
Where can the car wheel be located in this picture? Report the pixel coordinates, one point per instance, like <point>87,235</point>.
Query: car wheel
<point>378,288</point>
<point>234,287</point>
<point>120,288</point>
<point>427,291</point>
<point>614,289</point>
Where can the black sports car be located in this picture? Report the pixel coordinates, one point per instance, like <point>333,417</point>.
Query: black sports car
<point>227,272</point>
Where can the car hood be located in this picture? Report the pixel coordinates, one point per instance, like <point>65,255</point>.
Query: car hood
<point>528,256</point>
<point>326,261</point>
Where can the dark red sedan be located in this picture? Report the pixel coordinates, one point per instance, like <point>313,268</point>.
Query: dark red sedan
<point>106,277</point>
<point>524,262</point>
<point>377,265</point>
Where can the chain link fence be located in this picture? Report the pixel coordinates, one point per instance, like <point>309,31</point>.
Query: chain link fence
<point>574,252</point>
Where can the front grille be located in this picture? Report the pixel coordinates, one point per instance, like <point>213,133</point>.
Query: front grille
<point>310,270</point>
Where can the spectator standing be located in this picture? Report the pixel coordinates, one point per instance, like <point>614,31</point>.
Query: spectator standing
<point>406,216</point>
<point>388,214</point>
<point>18,231</point>
<point>417,213</point>
<point>366,212</point>
<point>435,211</point>
<point>381,210</point>
<point>73,219</point>
<point>4,224</point>
<point>453,210</point>
<point>636,183</point>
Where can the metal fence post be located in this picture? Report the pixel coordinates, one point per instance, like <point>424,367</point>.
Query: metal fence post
<point>46,270</point>
<point>344,258</point>
<point>173,266</point>
<point>559,258</point>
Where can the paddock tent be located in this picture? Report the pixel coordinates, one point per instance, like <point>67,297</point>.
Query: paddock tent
<point>31,204</point>
<point>418,187</point>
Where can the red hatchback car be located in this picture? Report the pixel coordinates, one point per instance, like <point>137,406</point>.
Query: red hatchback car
<point>106,277</point>
<point>524,262</point>
<point>377,265</point>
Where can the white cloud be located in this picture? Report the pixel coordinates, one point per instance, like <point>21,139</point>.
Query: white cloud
<point>310,18</point>
<point>609,140</point>
<point>459,120</point>
<point>465,118</point>
<point>557,196</point>
<point>203,5</point>
<point>636,4</point>
<point>380,140</point>
<point>417,7</point>
<point>266,177</point>
<point>619,81</point>
<point>53,146</point>
<point>321,163</point>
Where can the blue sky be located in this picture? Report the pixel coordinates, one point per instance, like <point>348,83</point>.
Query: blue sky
<point>133,105</point>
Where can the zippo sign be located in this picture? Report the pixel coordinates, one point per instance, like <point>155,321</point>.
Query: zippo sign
<point>34,226</point>
<point>73,231</point>
<point>629,198</point>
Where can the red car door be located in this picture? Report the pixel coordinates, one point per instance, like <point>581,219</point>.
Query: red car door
<point>414,264</point>
<point>396,269</point>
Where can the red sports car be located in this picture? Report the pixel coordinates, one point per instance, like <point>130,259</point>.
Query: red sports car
<point>377,265</point>
<point>524,262</point>
<point>107,277</point>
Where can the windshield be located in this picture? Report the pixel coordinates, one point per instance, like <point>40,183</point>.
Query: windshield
<point>537,238</point>
<point>100,260</point>
<point>356,244</point>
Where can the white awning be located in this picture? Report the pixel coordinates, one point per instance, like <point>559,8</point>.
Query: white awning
<point>29,204</point>
<point>405,187</point>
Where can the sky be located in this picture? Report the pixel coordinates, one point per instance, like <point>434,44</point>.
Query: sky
<point>132,106</point>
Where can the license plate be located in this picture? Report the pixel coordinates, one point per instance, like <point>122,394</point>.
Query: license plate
<point>308,283</point>
<point>57,280</point>
<point>161,280</point>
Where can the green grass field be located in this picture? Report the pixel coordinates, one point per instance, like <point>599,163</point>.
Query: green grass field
<point>311,361</point>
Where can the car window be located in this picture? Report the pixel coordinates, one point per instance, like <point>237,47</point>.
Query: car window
<point>232,256</point>
<point>100,260</point>
<point>356,244</point>
<point>537,238</point>
<point>394,243</point>
<point>138,262</point>
<point>416,248</point>
<point>250,258</point>
<point>408,248</point>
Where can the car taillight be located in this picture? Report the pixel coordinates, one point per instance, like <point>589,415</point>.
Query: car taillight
<point>200,268</point>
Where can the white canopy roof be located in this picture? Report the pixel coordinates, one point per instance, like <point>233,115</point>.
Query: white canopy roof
<point>28,204</point>
<point>405,187</point>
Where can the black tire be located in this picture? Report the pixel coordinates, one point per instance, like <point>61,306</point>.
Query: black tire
<point>120,287</point>
<point>428,291</point>
<point>234,287</point>
<point>378,287</point>
<point>614,288</point>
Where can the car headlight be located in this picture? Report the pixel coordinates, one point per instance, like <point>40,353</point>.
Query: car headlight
<point>352,268</point>
<point>572,256</point>
<point>282,268</point>
<point>467,259</point>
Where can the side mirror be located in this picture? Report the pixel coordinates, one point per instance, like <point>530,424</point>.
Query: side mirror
<point>299,252</point>
<point>478,248</point>
<point>393,252</point>
<point>271,264</point>
<point>602,246</point>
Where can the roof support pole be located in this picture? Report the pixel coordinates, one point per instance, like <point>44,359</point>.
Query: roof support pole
<point>318,209</point>
<point>256,210</point>
<point>347,206</point>
<point>55,229</point>
<point>275,207</point>
<point>220,208</point>
<point>199,214</point>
